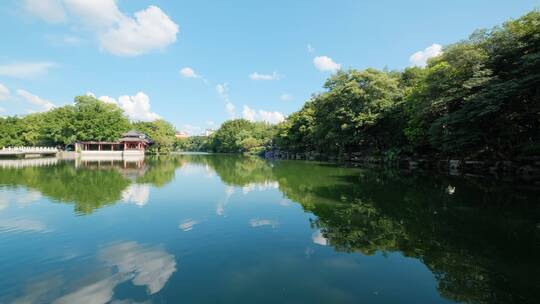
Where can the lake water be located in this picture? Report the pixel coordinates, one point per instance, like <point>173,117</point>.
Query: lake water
<point>231,229</point>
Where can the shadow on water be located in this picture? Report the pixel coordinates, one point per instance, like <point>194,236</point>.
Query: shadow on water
<point>480,239</point>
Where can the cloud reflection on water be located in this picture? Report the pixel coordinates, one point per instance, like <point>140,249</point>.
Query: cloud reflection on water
<point>319,239</point>
<point>128,261</point>
<point>137,194</point>
<point>187,224</point>
<point>263,222</point>
<point>22,225</point>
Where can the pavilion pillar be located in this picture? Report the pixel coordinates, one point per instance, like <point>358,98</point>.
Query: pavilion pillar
<point>99,147</point>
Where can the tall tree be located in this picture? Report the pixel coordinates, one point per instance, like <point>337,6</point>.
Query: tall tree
<point>160,131</point>
<point>97,120</point>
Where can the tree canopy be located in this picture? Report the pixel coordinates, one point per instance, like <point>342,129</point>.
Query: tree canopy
<point>160,131</point>
<point>240,135</point>
<point>88,119</point>
<point>480,96</point>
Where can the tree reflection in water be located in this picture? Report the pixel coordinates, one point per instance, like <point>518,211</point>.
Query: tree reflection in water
<point>479,238</point>
<point>91,185</point>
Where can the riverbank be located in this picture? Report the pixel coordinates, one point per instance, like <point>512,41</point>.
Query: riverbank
<point>525,168</point>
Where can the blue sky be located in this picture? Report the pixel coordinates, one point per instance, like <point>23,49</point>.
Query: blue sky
<point>199,63</point>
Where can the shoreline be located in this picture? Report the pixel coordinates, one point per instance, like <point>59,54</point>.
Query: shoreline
<point>526,168</point>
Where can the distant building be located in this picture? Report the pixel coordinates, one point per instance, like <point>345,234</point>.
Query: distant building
<point>181,135</point>
<point>131,143</point>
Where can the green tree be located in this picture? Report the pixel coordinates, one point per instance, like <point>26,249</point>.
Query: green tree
<point>59,126</point>
<point>192,143</point>
<point>481,95</point>
<point>11,131</point>
<point>296,133</point>
<point>240,135</point>
<point>97,120</point>
<point>479,98</point>
<point>161,132</point>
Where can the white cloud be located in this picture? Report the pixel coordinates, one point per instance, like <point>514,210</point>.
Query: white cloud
<point>106,99</point>
<point>119,34</point>
<point>271,117</point>
<point>135,107</point>
<point>71,40</point>
<point>64,40</point>
<point>151,29</point>
<point>4,92</point>
<point>223,91</point>
<point>310,48</point>
<point>326,64</point>
<point>36,100</point>
<point>249,114</point>
<point>420,58</point>
<point>25,70</point>
<point>285,97</point>
<point>95,13</point>
<point>229,107</point>
<point>188,72</point>
<point>51,11</point>
<point>262,115</point>
<point>257,76</point>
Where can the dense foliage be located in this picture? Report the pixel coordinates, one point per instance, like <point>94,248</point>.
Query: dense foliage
<point>192,143</point>
<point>481,96</point>
<point>240,135</point>
<point>88,119</point>
<point>160,131</point>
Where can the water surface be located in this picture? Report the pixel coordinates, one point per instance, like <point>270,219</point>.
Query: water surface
<point>231,229</point>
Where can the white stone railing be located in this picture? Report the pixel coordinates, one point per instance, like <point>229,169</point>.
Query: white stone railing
<point>28,150</point>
